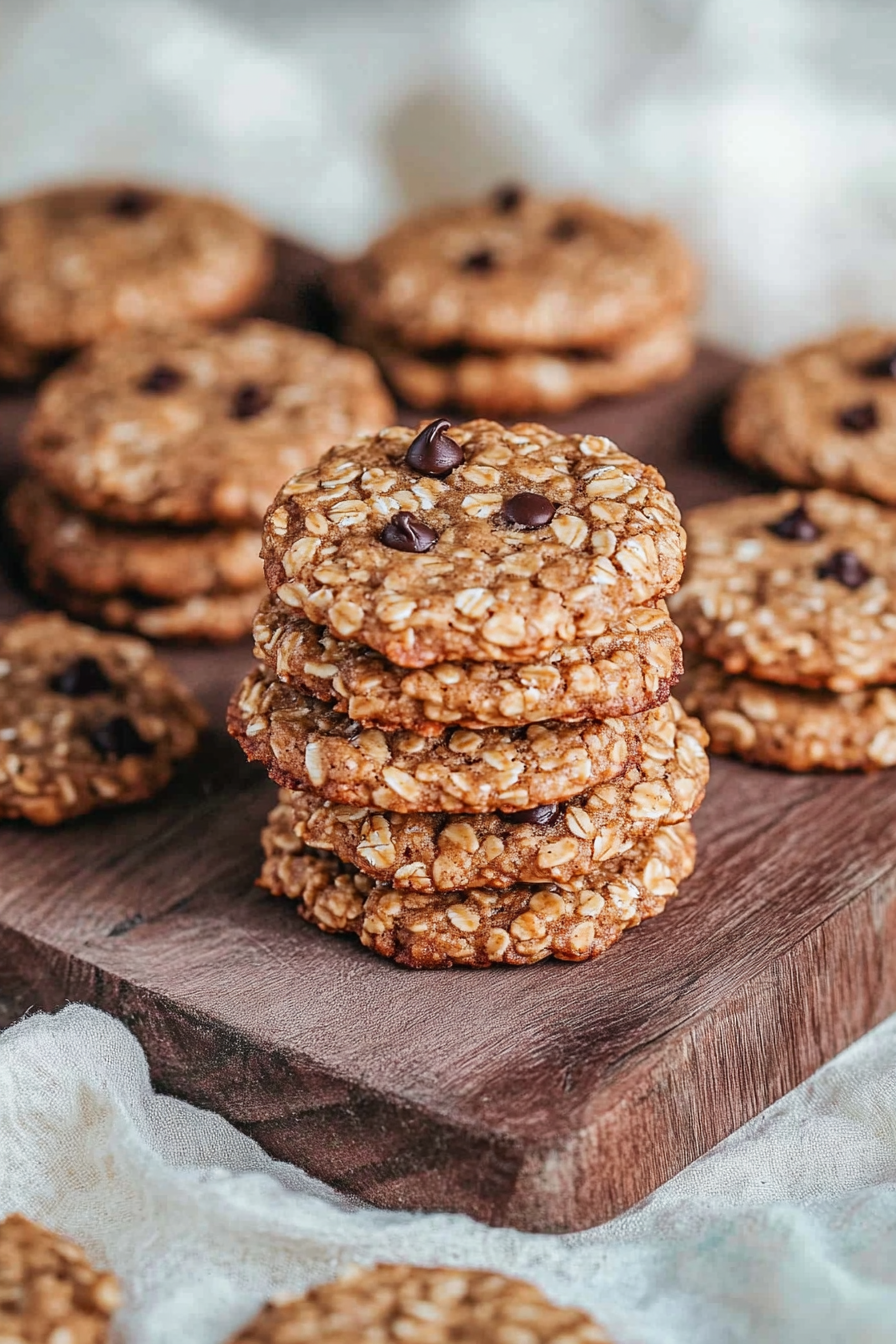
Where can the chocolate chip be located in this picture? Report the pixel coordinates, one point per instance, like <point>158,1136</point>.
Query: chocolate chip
<point>542,815</point>
<point>564,229</point>
<point>857,419</point>
<point>508,198</point>
<point>796,526</point>
<point>846,568</point>
<point>406,533</point>
<point>528,511</point>
<point>84,676</point>
<point>882,367</point>
<point>432,452</point>
<point>163,378</point>
<point>119,738</point>
<point>248,401</point>
<point>129,203</point>
<point>483,260</point>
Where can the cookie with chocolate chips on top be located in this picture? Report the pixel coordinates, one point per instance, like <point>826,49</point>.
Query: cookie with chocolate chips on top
<point>799,590</point>
<point>472,542</point>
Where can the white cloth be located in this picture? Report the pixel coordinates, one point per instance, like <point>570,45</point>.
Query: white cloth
<point>785,1233</point>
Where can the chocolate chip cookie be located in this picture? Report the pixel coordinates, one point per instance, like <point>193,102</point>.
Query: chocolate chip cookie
<point>631,667</point>
<point>306,744</point>
<point>436,851</point>
<point>516,925</point>
<point>799,590</point>
<point>410,1305</point>
<point>77,263</point>
<point>196,426</point>
<point>536,274</point>
<point>49,1291</point>
<point>823,414</point>
<point>86,720</point>
<point>472,542</point>
<point>790,727</point>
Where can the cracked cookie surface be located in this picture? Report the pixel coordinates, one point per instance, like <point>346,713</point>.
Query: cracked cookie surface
<point>526,540</point>
<point>49,1291</point>
<point>86,720</point>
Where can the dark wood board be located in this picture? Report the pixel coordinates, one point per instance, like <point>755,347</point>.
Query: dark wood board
<point>548,1097</point>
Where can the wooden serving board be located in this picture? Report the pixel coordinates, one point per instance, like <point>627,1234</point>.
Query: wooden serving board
<point>548,1097</point>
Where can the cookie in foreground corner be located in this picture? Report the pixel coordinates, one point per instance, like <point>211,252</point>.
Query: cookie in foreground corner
<point>49,1291</point>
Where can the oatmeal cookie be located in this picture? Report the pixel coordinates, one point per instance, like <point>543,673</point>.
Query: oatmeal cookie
<point>86,720</point>
<point>77,263</point>
<point>208,618</point>
<point>403,1304</point>
<point>306,744</point>
<point>791,727</point>
<point>544,274</point>
<point>631,667</point>
<point>796,590</point>
<point>67,546</point>
<point>823,414</point>
<point>49,1291</point>
<point>473,542</point>
<point>517,925</point>
<point>196,426</point>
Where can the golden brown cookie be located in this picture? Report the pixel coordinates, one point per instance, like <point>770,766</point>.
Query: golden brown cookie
<point>77,263</point>
<point>517,925</point>
<point>208,618</point>
<point>66,546</point>
<point>790,727</point>
<point>86,720</point>
<point>198,426</point>
<point>539,274</point>
<point>823,414</point>
<point>49,1291</point>
<point>304,743</point>
<point>472,542</point>
<point>795,589</point>
<point>631,667</point>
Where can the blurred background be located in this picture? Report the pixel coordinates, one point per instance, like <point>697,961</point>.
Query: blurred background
<point>766,129</point>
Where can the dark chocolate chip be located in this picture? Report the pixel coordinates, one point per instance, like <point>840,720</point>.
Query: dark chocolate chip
<point>84,676</point>
<point>130,203</point>
<point>528,511</point>
<point>564,229</point>
<point>248,401</point>
<point>119,738</point>
<point>508,198</point>
<point>481,261</point>
<point>846,568</point>
<point>796,526</point>
<point>882,367</point>
<point>860,418</point>
<point>406,533</point>
<point>542,815</point>
<point>163,378</point>
<point>432,452</point>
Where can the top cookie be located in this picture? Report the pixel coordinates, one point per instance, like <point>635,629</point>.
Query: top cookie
<point>194,425</point>
<point>795,590</point>
<point>473,542</point>
<point>79,262</point>
<point>518,271</point>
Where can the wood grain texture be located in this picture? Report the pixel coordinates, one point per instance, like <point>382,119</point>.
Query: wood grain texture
<point>547,1097</point>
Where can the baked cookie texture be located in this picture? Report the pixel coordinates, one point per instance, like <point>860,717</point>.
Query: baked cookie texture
<point>411,1305</point>
<point>506,543</point>
<point>207,618</point>
<point>516,925</point>
<point>823,414</point>
<point>78,263</point>
<point>49,1291</point>
<point>799,590</point>
<point>87,720</point>
<point>195,426</point>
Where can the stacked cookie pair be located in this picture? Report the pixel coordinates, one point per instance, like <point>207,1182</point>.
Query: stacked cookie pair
<point>464,690</point>
<point>519,304</point>
<point>153,455</point>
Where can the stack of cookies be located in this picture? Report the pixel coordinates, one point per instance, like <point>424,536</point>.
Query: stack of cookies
<point>520,304</point>
<point>153,456</point>
<point>466,662</point>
